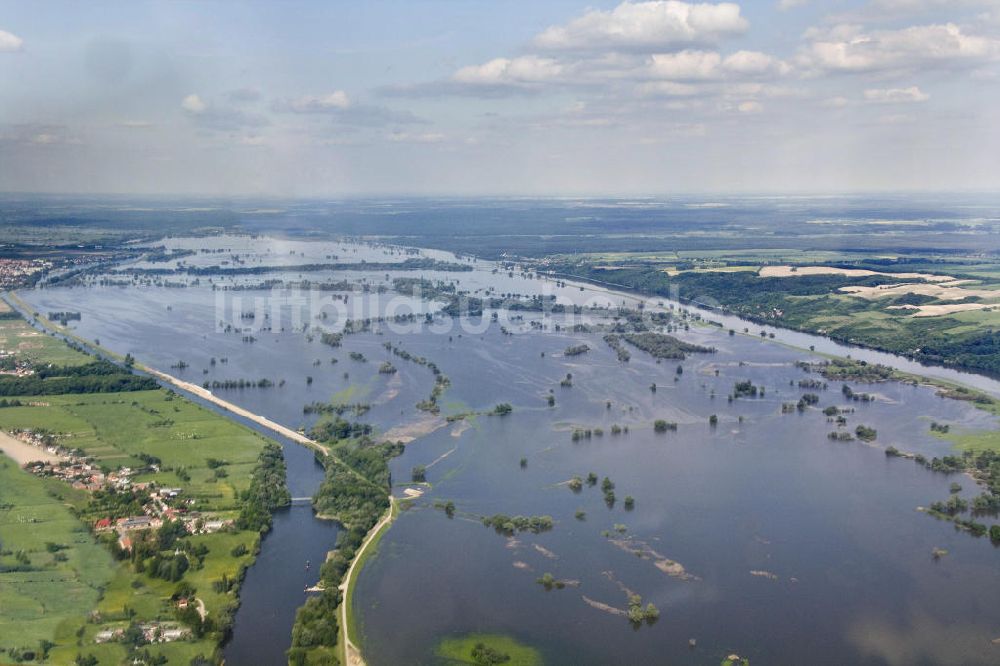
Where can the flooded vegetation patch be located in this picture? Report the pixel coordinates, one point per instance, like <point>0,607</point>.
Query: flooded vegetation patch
<point>510,525</point>
<point>488,650</point>
<point>662,346</point>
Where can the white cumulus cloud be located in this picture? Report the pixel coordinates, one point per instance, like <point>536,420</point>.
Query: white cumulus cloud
<point>194,104</point>
<point>689,65</point>
<point>849,48</point>
<point>896,95</point>
<point>686,65</point>
<point>754,63</point>
<point>9,42</point>
<point>510,71</point>
<point>658,25</point>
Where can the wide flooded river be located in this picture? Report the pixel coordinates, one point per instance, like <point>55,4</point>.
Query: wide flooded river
<point>757,535</point>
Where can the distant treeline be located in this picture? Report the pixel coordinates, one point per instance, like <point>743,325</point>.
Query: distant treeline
<point>64,317</point>
<point>412,264</point>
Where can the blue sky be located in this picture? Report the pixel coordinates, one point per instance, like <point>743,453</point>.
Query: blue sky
<point>465,98</point>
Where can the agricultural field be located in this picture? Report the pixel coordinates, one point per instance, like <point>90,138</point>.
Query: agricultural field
<point>116,429</point>
<point>28,344</point>
<point>52,571</point>
<point>935,309</point>
<point>68,589</point>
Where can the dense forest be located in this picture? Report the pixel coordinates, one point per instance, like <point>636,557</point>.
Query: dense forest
<point>268,490</point>
<point>95,377</point>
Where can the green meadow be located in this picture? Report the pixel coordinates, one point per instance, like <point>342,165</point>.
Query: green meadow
<point>59,586</point>
<point>461,650</point>
<point>52,571</point>
<point>116,428</point>
<point>29,344</point>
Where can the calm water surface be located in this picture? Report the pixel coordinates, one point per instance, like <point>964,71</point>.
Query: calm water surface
<point>797,549</point>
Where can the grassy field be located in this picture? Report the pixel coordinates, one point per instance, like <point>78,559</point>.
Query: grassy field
<point>149,599</point>
<point>459,650</point>
<point>115,428</point>
<point>58,584</point>
<point>25,342</point>
<point>51,600</point>
<point>52,593</point>
<point>977,441</point>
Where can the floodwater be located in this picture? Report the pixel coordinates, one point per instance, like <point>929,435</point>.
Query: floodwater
<point>794,548</point>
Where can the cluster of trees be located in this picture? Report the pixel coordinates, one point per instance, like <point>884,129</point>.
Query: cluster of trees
<point>315,625</point>
<point>93,377</point>
<point>659,425</point>
<point>637,614</point>
<point>615,342</point>
<point>34,385</point>
<point>587,433</point>
<point>813,384</point>
<point>660,345</point>
<point>64,317</point>
<point>484,655</point>
<point>441,382</point>
<point>608,488</point>
<point>112,503</point>
<point>238,383</point>
<point>856,397</point>
<point>331,430</point>
<point>985,467</point>
<point>331,339</point>
<point>805,401</point>
<point>846,369</point>
<point>865,433</point>
<point>339,408</point>
<point>548,581</point>
<point>170,566</point>
<point>268,490</point>
<point>576,350</point>
<point>508,525</point>
<point>355,490</point>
